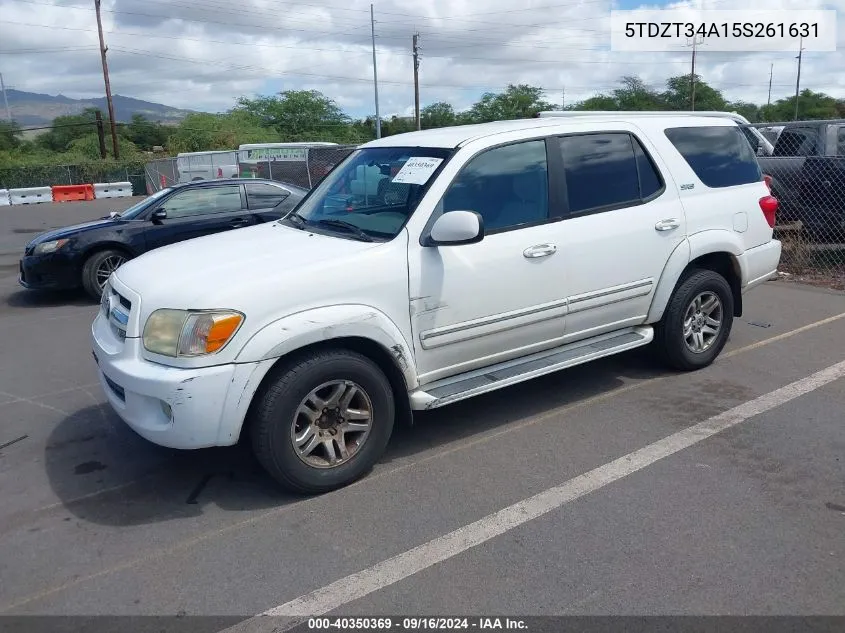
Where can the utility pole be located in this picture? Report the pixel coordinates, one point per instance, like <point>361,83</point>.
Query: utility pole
<point>771,72</point>
<point>5,100</point>
<point>375,70</point>
<point>798,80</point>
<point>103,50</point>
<point>100,134</point>
<point>563,98</point>
<point>417,79</point>
<point>695,43</point>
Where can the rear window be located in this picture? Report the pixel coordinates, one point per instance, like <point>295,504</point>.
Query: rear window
<point>719,155</point>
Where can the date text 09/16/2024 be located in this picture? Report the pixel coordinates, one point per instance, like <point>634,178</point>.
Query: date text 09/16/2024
<point>415,624</point>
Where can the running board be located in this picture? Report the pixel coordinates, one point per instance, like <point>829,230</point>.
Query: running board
<point>479,381</point>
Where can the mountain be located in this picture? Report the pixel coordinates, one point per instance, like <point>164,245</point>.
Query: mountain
<point>32,109</point>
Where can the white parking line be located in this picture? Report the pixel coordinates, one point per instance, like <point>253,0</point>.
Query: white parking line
<point>401,566</point>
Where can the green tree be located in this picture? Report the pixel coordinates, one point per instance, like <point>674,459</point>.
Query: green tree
<point>300,115</point>
<point>200,132</point>
<point>678,94</point>
<point>397,125</point>
<point>9,135</point>
<point>632,94</point>
<point>811,105</point>
<point>88,148</point>
<point>749,110</point>
<point>144,133</point>
<point>516,102</point>
<point>440,114</point>
<point>66,129</point>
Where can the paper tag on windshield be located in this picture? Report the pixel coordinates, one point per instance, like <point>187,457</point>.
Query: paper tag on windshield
<point>417,171</point>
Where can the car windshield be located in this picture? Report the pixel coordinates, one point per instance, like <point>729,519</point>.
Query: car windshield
<point>136,209</point>
<point>372,193</point>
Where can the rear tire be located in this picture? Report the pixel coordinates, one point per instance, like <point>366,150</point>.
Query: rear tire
<point>98,267</point>
<point>323,421</point>
<point>697,322</point>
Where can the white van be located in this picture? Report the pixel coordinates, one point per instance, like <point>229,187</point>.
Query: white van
<point>206,165</point>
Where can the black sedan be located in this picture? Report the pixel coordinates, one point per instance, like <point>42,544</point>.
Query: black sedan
<point>86,254</point>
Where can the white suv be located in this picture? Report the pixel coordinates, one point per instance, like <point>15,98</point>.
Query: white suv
<point>487,255</point>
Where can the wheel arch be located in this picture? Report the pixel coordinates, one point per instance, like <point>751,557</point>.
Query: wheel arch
<point>98,247</point>
<point>710,250</point>
<point>358,328</point>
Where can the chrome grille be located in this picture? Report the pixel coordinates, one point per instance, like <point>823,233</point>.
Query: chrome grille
<point>118,312</point>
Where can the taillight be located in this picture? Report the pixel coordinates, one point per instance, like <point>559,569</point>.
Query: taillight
<point>768,180</point>
<point>769,206</point>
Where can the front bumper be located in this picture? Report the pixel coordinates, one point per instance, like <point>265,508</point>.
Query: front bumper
<point>54,271</point>
<point>172,407</point>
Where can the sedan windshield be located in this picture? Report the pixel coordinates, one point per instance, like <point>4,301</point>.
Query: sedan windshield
<point>136,209</point>
<point>372,194</point>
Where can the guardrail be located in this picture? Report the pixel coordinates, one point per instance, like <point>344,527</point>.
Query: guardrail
<point>5,201</point>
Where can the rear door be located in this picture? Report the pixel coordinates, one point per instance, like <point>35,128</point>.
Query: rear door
<point>264,200</point>
<point>623,221</point>
<point>199,211</point>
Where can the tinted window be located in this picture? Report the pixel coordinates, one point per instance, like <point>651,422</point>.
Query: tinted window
<point>840,142</point>
<point>600,170</point>
<point>204,201</point>
<point>263,196</point>
<point>797,142</point>
<point>650,180</point>
<point>719,156</point>
<point>507,185</point>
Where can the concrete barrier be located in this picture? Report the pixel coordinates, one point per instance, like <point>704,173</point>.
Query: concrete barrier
<point>71,193</point>
<point>5,201</point>
<point>31,195</point>
<point>112,190</point>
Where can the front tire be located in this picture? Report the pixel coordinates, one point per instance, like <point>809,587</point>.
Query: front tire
<point>323,421</point>
<point>98,268</point>
<point>697,321</point>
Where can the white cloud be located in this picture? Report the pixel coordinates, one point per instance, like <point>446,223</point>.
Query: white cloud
<point>203,54</point>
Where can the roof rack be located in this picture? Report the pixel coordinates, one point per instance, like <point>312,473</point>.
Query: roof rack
<point>705,113</point>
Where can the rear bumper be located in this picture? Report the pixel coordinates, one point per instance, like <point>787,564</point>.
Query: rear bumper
<point>48,272</point>
<point>759,264</point>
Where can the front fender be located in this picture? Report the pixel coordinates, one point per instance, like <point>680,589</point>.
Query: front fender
<point>285,335</point>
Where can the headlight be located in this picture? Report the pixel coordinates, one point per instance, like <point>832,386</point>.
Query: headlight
<point>49,247</point>
<point>188,332</point>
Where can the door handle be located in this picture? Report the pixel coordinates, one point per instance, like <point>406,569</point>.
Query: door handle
<point>238,223</point>
<point>667,225</point>
<point>540,250</point>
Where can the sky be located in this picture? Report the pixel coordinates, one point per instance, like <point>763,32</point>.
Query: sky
<point>204,54</point>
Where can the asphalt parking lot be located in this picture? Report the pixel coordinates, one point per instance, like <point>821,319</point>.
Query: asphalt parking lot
<point>613,488</point>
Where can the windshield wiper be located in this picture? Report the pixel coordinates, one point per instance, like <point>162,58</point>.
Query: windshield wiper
<point>363,236</point>
<point>297,220</point>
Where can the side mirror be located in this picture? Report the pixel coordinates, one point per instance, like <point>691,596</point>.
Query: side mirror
<point>457,227</point>
<point>158,214</point>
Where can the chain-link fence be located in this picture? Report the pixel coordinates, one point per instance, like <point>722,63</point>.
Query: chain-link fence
<point>804,164</point>
<point>306,173</point>
<point>81,174</point>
